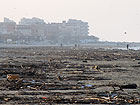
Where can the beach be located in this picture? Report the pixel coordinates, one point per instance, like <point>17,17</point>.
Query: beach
<point>69,75</point>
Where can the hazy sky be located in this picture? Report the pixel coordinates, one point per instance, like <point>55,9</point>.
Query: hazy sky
<point>108,19</point>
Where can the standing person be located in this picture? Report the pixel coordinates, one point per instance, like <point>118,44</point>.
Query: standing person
<point>127,46</point>
<point>61,45</point>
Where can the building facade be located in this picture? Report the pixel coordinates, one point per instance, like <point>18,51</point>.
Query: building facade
<point>35,29</point>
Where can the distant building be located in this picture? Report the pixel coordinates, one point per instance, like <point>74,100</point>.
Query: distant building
<point>73,30</point>
<point>32,21</point>
<point>7,27</point>
<point>79,28</point>
<point>32,28</point>
<point>52,32</point>
<point>7,20</point>
<point>24,30</point>
<point>35,29</point>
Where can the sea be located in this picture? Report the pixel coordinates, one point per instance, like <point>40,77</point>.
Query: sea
<point>131,48</point>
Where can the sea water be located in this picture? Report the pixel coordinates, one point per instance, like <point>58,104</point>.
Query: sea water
<point>133,48</point>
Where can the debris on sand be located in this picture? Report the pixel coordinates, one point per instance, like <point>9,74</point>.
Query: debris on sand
<point>60,75</point>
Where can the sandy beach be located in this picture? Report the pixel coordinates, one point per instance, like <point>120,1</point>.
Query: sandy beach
<point>69,75</point>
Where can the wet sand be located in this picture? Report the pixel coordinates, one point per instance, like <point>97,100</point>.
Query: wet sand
<point>63,75</point>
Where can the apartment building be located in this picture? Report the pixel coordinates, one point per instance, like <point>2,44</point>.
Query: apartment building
<point>35,29</point>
